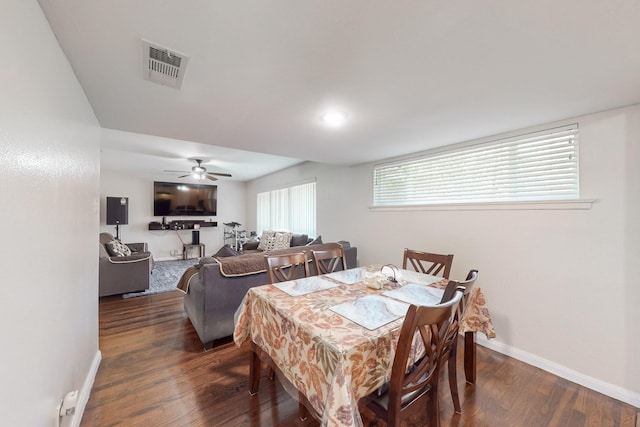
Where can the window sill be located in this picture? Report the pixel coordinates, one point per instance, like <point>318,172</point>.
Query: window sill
<point>579,204</point>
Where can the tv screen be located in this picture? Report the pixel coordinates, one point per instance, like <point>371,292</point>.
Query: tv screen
<point>178,199</point>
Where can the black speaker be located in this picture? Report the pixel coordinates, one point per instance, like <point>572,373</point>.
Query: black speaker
<point>195,237</point>
<point>117,210</point>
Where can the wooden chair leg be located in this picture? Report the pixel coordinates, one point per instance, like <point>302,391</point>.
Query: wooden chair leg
<point>433,415</point>
<point>470,357</point>
<point>303,412</point>
<point>452,367</point>
<point>254,371</point>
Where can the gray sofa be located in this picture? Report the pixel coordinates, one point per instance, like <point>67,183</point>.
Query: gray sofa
<point>213,298</point>
<point>123,274</point>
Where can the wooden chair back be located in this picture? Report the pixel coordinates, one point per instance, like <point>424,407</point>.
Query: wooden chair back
<point>410,382</point>
<point>466,286</point>
<point>282,268</point>
<point>329,260</point>
<point>449,291</point>
<point>428,263</point>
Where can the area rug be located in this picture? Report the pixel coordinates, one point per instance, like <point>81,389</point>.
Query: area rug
<point>165,277</point>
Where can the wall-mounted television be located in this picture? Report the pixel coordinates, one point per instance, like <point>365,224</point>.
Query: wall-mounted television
<point>184,199</point>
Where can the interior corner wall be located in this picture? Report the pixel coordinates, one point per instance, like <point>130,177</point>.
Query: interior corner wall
<point>162,243</point>
<point>632,253</point>
<point>49,179</point>
<point>560,284</point>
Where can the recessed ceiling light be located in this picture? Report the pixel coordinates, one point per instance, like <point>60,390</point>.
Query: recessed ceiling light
<point>334,118</point>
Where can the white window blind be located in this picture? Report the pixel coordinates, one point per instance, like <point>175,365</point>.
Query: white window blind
<point>536,166</point>
<point>288,209</point>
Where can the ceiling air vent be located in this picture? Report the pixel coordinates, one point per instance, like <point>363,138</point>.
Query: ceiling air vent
<point>162,65</point>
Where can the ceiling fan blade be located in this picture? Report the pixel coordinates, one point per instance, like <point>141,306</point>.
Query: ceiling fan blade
<point>211,178</point>
<point>219,174</point>
<point>184,176</point>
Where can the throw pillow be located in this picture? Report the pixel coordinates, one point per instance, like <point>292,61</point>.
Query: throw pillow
<point>281,241</point>
<point>226,251</point>
<point>117,248</point>
<point>299,240</point>
<point>266,241</point>
<point>316,241</point>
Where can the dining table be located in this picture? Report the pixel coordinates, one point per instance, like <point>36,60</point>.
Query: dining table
<point>332,337</point>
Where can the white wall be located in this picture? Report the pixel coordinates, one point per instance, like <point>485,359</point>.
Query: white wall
<point>631,289</point>
<point>560,284</point>
<point>49,181</point>
<point>139,190</point>
<point>333,195</point>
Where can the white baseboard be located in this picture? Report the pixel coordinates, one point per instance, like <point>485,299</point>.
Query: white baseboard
<point>614,391</point>
<point>83,395</point>
<point>168,258</point>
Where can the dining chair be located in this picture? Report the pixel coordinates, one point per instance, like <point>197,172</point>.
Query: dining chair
<point>469,337</point>
<point>329,260</point>
<point>466,286</point>
<point>282,268</point>
<point>449,356</point>
<point>411,382</point>
<point>428,263</point>
<point>449,291</point>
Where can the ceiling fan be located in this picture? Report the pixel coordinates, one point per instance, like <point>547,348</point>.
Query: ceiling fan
<point>200,172</point>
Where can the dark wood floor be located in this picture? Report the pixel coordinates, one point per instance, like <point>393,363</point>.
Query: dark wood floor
<point>154,372</point>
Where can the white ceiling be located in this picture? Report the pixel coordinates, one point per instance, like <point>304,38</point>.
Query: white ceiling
<point>411,75</point>
<point>126,151</point>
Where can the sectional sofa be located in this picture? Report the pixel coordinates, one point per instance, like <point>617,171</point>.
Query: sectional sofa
<point>216,290</point>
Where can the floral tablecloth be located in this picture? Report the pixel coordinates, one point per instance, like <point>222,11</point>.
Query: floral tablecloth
<point>332,360</point>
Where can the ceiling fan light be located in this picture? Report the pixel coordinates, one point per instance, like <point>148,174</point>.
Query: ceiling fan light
<point>200,172</point>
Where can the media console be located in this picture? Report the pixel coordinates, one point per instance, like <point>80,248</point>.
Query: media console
<point>186,224</point>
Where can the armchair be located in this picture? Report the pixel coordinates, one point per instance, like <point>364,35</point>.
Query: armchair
<point>122,274</point>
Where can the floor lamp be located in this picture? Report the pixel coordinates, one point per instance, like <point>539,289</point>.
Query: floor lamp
<point>117,212</point>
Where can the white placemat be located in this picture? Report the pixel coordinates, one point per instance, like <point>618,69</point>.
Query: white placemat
<point>305,286</point>
<point>371,311</point>
<point>348,277</point>
<point>408,276</point>
<point>416,294</point>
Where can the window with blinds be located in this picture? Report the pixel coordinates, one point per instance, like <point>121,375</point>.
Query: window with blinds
<point>288,209</point>
<point>532,167</point>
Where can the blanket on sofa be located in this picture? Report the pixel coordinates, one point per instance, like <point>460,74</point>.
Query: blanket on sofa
<point>183,283</point>
<point>253,263</point>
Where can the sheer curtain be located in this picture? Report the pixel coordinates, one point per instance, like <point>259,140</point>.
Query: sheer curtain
<point>264,212</point>
<point>288,209</point>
